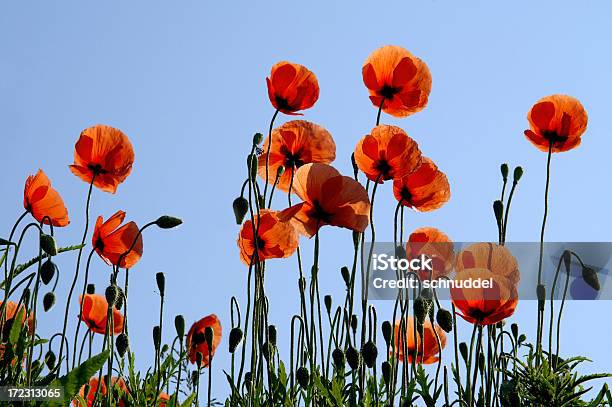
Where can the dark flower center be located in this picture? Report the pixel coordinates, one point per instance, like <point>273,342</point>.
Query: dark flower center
<point>99,244</point>
<point>261,244</point>
<point>406,195</point>
<point>282,104</point>
<point>383,167</point>
<point>293,160</point>
<point>197,339</point>
<point>96,169</point>
<point>389,91</point>
<point>554,137</point>
<point>320,214</point>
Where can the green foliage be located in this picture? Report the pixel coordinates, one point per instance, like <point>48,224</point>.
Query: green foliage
<point>76,378</point>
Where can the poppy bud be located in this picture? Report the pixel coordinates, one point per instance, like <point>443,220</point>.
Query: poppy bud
<point>541,292</point>
<point>463,350</point>
<point>445,319</point>
<point>280,171</point>
<point>26,295</point>
<point>50,359</point>
<point>252,163</point>
<point>195,375</point>
<point>122,343</point>
<point>266,350</point>
<point>354,323</point>
<point>199,359</point>
<point>156,337</point>
<point>498,210</point>
<point>48,245</point>
<point>247,379</point>
<point>164,348</point>
<point>567,260</point>
<point>504,171</point>
<point>257,138</point>
<point>370,353</point>
<point>346,276</point>
<point>518,173</point>
<point>161,283</point>
<point>235,337</point>
<point>302,376</point>
<point>111,294</point>
<point>522,338</point>
<point>168,222</point>
<point>427,294</point>
<point>328,303</point>
<point>241,207</point>
<point>338,358</point>
<point>352,357</point>
<point>515,331</point>
<point>302,283</point>
<point>355,166</point>
<point>421,308</point>
<point>387,330</point>
<point>272,334</point>
<point>508,394</point>
<point>48,301</point>
<point>91,288</point>
<point>386,372</point>
<point>590,277</point>
<point>400,252</point>
<point>47,271</point>
<point>208,335</point>
<point>356,239</point>
<point>262,201</point>
<point>481,362</point>
<point>179,324</point>
<point>120,297</point>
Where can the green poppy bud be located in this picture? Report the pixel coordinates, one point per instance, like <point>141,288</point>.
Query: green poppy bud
<point>386,372</point>
<point>168,222</point>
<point>518,173</point>
<point>272,334</point>
<point>50,359</point>
<point>346,276</point>
<point>353,358</point>
<point>48,245</point>
<point>590,277</point>
<point>48,301</point>
<point>303,377</point>
<point>156,337</point>
<point>122,343</point>
<point>111,294</point>
<point>179,324</point>
<point>463,350</point>
<point>504,171</point>
<point>387,330</point>
<point>445,319</point>
<point>235,338</point>
<point>241,207</point>
<point>208,335</point>
<point>338,358</point>
<point>257,139</point>
<point>370,353</point>
<point>498,210</point>
<point>47,271</point>
<point>515,330</point>
<point>161,283</point>
<point>328,303</point>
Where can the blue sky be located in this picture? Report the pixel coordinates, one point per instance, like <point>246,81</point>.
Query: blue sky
<point>186,82</point>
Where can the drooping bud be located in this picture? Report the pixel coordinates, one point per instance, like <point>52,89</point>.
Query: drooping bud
<point>590,277</point>
<point>463,350</point>
<point>387,330</point>
<point>111,294</point>
<point>280,171</point>
<point>257,138</point>
<point>47,271</point>
<point>346,276</point>
<point>48,245</point>
<point>122,343</point>
<point>518,173</point>
<point>498,210</point>
<point>48,301</point>
<point>50,359</point>
<point>386,372</point>
<point>303,377</point>
<point>272,334</point>
<point>161,283</point>
<point>338,358</point>
<point>421,308</point>
<point>370,353</point>
<point>328,303</point>
<point>120,298</point>
<point>208,335</point>
<point>444,318</point>
<point>168,222</point>
<point>522,338</point>
<point>353,358</point>
<point>235,338</point>
<point>515,330</point>
<point>504,171</point>
<point>241,207</point>
<point>91,288</point>
<point>156,337</point>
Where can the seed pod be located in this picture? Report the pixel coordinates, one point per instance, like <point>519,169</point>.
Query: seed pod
<point>111,294</point>
<point>338,358</point>
<point>48,245</point>
<point>122,343</point>
<point>179,324</point>
<point>156,337</point>
<point>353,358</point>
<point>303,377</point>
<point>504,171</point>
<point>370,353</point>
<point>421,308</point>
<point>47,271</point>
<point>387,330</point>
<point>590,277</point>
<point>346,276</point>
<point>328,303</point>
<point>208,335</point>
<point>50,359</point>
<point>91,288</point>
<point>161,283</point>
<point>48,301</point>
<point>445,319</point>
<point>463,350</point>
<point>386,372</point>
<point>515,330</point>
<point>518,173</point>
<point>498,210</point>
<point>235,337</point>
<point>168,222</point>
<point>257,139</point>
<point>241,207</point>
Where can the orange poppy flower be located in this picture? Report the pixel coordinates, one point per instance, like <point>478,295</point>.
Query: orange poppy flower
<point>196,339</point>
<point>484,305</point>
<point>493,257</point>
<point>437,246</point>
<point>43,201</point>
<point>276,239</point>
<point>163,399</point>
<point>425,189</point>
<point>329,199</point>
<point>401,79</point>
<point>95,308</point>
<point>112,242</point>
<point>426,345</point>
<point>105,152</point>
<point>120,391</point>
<point>557,119</point>
<point>12,311</point>
<point>292,87</point>
<point>294,144</point>
<point>387,153</point>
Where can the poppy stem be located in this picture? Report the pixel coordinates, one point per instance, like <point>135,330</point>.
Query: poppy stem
<point>507,211</point>
<point>552,305</point>
<point>158,352</point>
<point>268,152</point>
<point>76,334</point>
<point>380,110</point>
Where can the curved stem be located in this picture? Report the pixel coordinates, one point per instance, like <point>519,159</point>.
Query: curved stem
<point>268,152</point>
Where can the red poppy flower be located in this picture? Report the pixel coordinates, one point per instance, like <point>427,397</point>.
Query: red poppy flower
<point>329,199</point>
<point>292,87</point>
<point>196,339</point>
<point>387,153</point>
<point>425,189</point>
<point>294,144</point>
<point>120,391</point>
<point>426,345</point>
<point>163,399</point>
<point>43,201</point>
<point>112,242</point>
<point>105,152</point>
<point>435,245</point>
<point>401,79</point>
<point>12,312</point>
<point>276,239</point>
<point>493,257</point>
<point>484,305</point>
<point>557,119</point>
<point>95,308</point>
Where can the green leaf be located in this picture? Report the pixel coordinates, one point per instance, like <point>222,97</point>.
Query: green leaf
<point>16,328</point>
<point>189,401</point>
<point>77,377</point>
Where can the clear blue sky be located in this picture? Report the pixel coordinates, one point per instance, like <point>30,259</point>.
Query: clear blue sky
<point>186,82</point>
